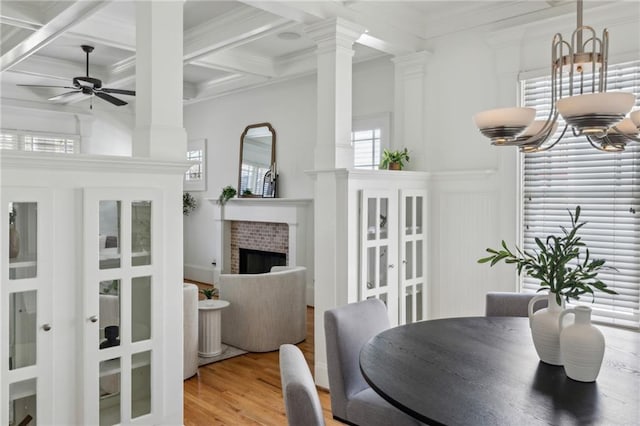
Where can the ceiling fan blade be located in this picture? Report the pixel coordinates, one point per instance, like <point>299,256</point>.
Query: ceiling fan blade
<point>64,95</point>
<point>109,98</point>
<point>118,91</point>
<point>44,85</point>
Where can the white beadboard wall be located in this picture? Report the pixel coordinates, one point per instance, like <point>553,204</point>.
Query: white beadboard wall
<point>465,219</point>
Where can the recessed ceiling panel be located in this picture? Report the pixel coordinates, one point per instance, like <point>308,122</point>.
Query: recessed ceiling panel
<point>197,75</point>
<point>196,12</point>
<point>277,45</point>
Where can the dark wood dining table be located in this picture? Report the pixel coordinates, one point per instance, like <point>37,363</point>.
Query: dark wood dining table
<point>485,371</point>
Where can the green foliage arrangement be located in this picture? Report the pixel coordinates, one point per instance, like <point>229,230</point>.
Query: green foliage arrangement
<point>189,203</point>
<point>227,193</point>
<point>392,158</point>
<point>209,293</point>
<point>247,192</point>
<point>553,263</point>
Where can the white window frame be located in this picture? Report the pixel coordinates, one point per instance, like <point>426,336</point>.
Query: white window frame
<point>21,138</point>
<point>195,184</point>
<point>371,122</point>
<point>616,311</point>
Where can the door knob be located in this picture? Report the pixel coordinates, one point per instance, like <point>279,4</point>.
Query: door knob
<point>392,266</point>
<point>46,327</point>
<point>93,318</point>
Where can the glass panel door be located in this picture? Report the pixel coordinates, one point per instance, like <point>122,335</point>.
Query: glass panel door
<point>119,305</point>
<point>378,249</point>
<point>25,306</point>
<point>413,303</point>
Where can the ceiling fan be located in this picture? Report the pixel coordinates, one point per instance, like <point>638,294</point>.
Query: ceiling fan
<point>89,86</point>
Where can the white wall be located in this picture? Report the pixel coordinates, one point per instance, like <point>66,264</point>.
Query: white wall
<point>290,107</point>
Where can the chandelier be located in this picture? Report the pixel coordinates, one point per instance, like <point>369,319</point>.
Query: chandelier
<point>578,94</point>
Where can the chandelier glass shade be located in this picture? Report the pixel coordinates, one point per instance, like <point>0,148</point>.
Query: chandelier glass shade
<point>578,95</point>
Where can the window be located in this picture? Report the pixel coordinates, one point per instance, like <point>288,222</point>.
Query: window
<point>195,177</point>
<point>19,140</point>
<point>605,185</point>
<point>369,136</point>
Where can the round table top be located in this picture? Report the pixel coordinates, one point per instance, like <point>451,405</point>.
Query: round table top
<point>485,370</point>
<point>212,304</point>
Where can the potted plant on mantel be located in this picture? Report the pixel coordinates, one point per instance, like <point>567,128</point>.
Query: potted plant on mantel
<point>561,269</point>
<point>394,160</point>
<point>227,193</point>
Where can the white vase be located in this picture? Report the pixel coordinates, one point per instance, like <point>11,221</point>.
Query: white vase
<point>581,345</point>
<point>544,328</point>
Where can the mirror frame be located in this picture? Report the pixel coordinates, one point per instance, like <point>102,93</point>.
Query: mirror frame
<point>273,154</point>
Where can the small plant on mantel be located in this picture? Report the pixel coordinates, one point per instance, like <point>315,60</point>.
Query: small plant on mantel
<point>209,292</point>
<point>227,193</point>
<point>394,160</point>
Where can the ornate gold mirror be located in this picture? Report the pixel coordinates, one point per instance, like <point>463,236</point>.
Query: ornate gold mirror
<point>257,175</point>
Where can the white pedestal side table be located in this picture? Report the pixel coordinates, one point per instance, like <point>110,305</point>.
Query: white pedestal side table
<point>209,334</point>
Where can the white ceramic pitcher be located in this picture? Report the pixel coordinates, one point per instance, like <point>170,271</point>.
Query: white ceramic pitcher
<point>581,345</point>
<point>544,328</point>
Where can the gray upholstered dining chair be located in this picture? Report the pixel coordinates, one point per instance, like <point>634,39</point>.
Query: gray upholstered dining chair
<point>301,400</point>
<point>347,329</point>
<point>507,304</point>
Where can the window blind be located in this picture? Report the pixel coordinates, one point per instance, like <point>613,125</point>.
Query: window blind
<point>605,185</point>
<point>40,142</point>
<point>366,147</point>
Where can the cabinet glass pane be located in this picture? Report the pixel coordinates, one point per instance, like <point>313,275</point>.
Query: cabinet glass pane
<point>140,308</point>
<point>110,392</point>
<point>109,238</point>
<point>419,206</point>
<point>384,214</point>
<point>408,216</point>
<point>140,384</point>
<point>23,315</point>
<point>408,300</point>
<point>408,260</point>
<point>371,268</point>
<point>22,403</point>
<point>141,233</point>
<point>371,218</point>
<point>419,302</point>
<point>22,246</point>
<point>109,314</point>
<point>383,297</point>
<point>384,266</point>
<point>419,259</point>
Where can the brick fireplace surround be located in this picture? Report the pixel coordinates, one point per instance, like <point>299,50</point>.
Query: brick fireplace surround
<point>264,236</point>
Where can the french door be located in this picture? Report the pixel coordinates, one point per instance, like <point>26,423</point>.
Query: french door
<point>122,301</point>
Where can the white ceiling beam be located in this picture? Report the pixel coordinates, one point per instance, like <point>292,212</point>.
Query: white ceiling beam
<point>238,63</point>
<point>53,29</point>
<point>231,30</point>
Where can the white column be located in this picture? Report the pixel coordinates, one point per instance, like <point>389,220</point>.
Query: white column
<point>335,38</point>
<point>159,132</point>
<point>409,108</point>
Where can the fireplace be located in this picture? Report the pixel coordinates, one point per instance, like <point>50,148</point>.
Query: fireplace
<point>258,261</point>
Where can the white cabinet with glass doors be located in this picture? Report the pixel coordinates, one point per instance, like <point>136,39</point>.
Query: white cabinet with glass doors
<point>393,252</point>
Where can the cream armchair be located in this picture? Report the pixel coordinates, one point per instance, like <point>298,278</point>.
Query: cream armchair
<point>266,310</point>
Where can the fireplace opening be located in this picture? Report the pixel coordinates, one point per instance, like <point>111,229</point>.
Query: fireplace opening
<point>259,262</point>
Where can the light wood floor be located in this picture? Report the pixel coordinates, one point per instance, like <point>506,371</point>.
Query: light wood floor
<point>245,390</point>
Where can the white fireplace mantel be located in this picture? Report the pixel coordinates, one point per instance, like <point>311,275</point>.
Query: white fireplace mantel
<point>297,213</point>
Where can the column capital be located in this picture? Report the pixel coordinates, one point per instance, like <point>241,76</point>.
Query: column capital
<point>334,31</point>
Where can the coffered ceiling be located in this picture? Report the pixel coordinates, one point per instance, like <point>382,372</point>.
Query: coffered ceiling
<point>228,45</point>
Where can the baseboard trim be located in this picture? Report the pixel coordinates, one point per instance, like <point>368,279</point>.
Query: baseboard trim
<point>322,375</point>
<point>198,273</point>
